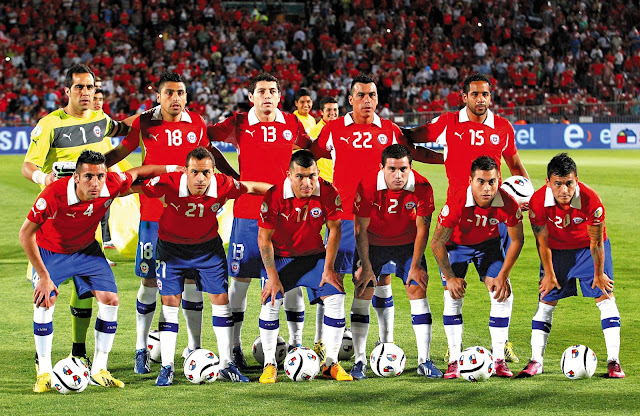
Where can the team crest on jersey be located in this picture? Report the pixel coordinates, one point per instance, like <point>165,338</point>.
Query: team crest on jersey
<point>159,284</point>
<point>445,211</point>
<point>236,183</point>
<point>494,221</point>
<point>97,130</point>
<point>532,214</point>
<point>108,202</point>
<point>316,212</point>
<point>338,201</point>
<point>494,138</point>
<point>41,204</point>
<point>577,220</point>
<point>410,205</point>
<point>215,207</point>
<point>518,214</point>
<point>191,137</point>
<point>235,266</point>
<point>598,212</point>
<point>264,207</point>
<point>36,131</point>
<point>122,176</point>
<point>144,267</point>
<point>287,135</point>
<point>382,139</point>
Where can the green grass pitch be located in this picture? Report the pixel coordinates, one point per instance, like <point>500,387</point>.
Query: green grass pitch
<point>613,174</point>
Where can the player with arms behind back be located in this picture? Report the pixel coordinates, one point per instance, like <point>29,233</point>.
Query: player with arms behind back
<point>567,218</point>
<point>467,231</point>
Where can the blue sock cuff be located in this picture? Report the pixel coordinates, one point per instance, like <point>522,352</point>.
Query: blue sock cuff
<point>424,319</point>
<point>43,329</point>
<point>452,319</point>
<point>382,302</point>
<point>108,327</point>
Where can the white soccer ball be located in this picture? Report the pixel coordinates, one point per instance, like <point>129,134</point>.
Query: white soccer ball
<point>346,349</point>
<point>153,346</point>
<point>281,350</point>
<point>387,360</point>
<point>578,361</point>
<point>519,187</point>
<point>201,366</point>
<point>475,364</point>
<point>70,375</point>
<point>302,364</point>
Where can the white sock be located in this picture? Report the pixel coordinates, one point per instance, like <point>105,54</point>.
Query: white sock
<point>168,334</point>
<point>106,325</point>
<point>223,328</point>
<point>499,317</point>
<point>360,328</point>
<point>610,321</point>
<point>334,322</point>
<point>146,305</point>
<point>43,336</point>
<point>294,309</point>
<point>540,329</point>
<point>421,321</point>
<point>192,306</point>
<point>269,323</point>
<point>319,322</point>
<point>238,303</point>
<point>453,324</point>
<point>383,305</point>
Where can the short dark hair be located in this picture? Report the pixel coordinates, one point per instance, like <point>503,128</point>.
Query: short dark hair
<point>474,78</point>
<point>77,69</point>
<point>395,151</point>
<point>561,165</point>
<point>483,163</point>
<point>327,100</point>
<point>361,79</point>
<point>99,91</point>
<point>302,92</point>
<point>302,158</point>
<point>170,77</point>
<point>265,76</point>
<point>89,157</point>
<point>200,153</point>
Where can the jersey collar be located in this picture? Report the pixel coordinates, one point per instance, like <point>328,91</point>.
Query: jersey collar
<point>288,189</point>
<point>348,120</point>
<point>253,118</point>
<point>463,117</point>
<point>409,186</point>
<point>157,115</point>
<point>72,197</point>
<point>497,200</point>
<point>183,190</point>
<point>550,201</point>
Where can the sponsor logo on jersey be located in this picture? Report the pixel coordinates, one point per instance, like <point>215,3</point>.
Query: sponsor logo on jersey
<point>494,139</point>
<point>316,212</point>
<point>215,207</point>
<point>41,204</point>
<point>108,202</point>
<point>264,207</point>
<point>577,220</point>
<point>445,211</point>
<point>144,267</point>
<point>191,137</point>
<point>36,131</point>
<point>598,212</point>
<point>410,205</point>
<point>382,138</point>
<point>287,135</point>
<point>495,221</point>
<point>97,130</point>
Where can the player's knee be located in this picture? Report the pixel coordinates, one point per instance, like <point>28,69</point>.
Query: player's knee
<point>366,295</point>
<point>415,292</point>
<point>219,299</point>
<point>171,300</point>
<point>108,298</point>
<point>149,282</point>
<point>384,279</point>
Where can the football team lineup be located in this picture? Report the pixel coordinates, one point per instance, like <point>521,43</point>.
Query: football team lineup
<point>380,216</point>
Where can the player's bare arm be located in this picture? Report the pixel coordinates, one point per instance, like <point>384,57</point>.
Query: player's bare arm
<point>273,284</point>
<point>500,284</point>
<point>114,156</point>
<point>44,286</point>
<point>222,164</point>
<point>426,155</point>
<point>129,120</point>
<point>455,285</point>
<point>548,281</point>
<point>417,134</point>
<point>256,188</point>
<point>596,246</point>
<point>417,273</point>
<point>364,275</point>
<point>330,275</point>
<point>319,151</point>
<point>516,167</point>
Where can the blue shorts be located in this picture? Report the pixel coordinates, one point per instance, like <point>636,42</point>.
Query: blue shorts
<point>401,257</point>
<point>505,240</point>
<point>146,251</point>
<point>347,250</point>
<point>486,256</point>
<point>302,271</point>
<point>244,255</point>
<point>570,265</point>
<point>203,262</point>
<point>88,267</point>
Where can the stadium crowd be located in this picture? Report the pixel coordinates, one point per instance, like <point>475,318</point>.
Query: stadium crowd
<point>565,57</point>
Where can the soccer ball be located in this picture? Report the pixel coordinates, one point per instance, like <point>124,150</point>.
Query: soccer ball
<point>201,366</point>
<point>519,187</point>
<point>475,364</point>
<point>153,346</point>
<point>346,349</point>
<point>70,375</point>
<point>387,360</point>
<point>578,361</point>
<point>302,364</point>
<point>281,350</point>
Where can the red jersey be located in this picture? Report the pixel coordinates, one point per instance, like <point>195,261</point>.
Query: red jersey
<point>164,143</point>
<point>297,221</point>
<point>472,224</point>
<point>465,140</point>
<point>393,213</point>
<point>567,227</point>
<point>264,151</point>
<point>190,219</point>
<point>356,150</point>
<point>67,224</point>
